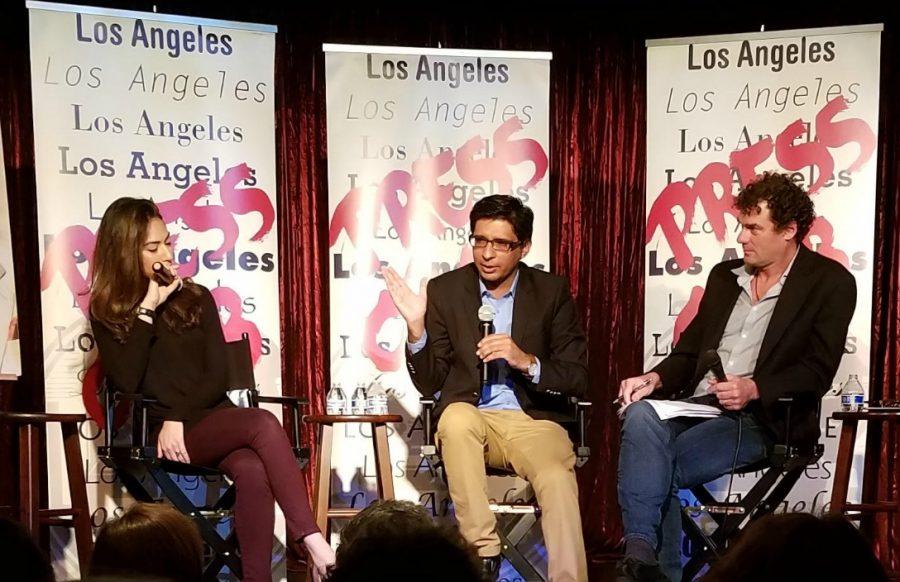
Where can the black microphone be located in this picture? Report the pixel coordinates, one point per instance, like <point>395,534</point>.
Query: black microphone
<point>486,316</point>
<point>162,275</point>
<point>711,361</point>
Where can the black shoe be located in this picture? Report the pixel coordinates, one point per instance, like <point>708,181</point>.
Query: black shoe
<point>490,568</point>
<point>630,569</point>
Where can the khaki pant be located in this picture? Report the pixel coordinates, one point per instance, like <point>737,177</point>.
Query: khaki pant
<point>537,450</point>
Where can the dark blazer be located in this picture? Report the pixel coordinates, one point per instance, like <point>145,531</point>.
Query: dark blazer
<point>544,323</point>
<point>801,349</point>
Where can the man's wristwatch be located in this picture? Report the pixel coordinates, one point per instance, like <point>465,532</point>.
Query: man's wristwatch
<point>146,312</point>
<point>532,367</point>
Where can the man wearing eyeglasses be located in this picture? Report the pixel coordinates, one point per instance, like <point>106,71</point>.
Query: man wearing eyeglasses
<point>536,359</point>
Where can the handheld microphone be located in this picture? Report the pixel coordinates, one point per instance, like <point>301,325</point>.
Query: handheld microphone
<point>711,361</point>
<point>486,315</point>
<point>162,275</point>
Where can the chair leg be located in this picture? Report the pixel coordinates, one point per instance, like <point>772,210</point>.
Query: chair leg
<point>209,533</point>
<point>762,499</point>
<point>81,518</point>
<point>777,495</point>
<point>383,462</point>
<point>509,551</point>
<point>29,479</point>
<point>136,486</point>
<point>691,531</point>
<point>226,501</point>
<point>137,477</point>
<point>215,565</point>
<point>841,485</point>
<point>695,564</point>
<point>519,526</point>
<point>323,484</point>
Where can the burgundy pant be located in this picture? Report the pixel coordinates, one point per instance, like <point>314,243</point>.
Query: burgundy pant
<point>250,446</point>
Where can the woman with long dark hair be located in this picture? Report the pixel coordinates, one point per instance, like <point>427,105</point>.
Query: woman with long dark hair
<point>164,339</point>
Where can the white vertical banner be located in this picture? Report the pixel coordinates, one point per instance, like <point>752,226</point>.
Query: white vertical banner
<point>10,362</point>
<point>180,110</point>
<point>721,110</point>
<point>415,138</point>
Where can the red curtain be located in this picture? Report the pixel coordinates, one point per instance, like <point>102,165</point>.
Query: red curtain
<point>26,394</point>
<point>302,225</point>
<point>597,188</point>
<point>884,446</point>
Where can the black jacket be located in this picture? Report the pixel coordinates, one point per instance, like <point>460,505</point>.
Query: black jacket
<point>801,349</point>
<point>544,323</point>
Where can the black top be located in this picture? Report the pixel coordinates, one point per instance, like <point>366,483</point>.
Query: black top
<point>185,372</point>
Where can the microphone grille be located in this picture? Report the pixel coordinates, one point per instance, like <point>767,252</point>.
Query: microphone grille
<point>486,313</point>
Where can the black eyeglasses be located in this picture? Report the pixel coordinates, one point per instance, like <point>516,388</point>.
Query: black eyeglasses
<point>499,245</point>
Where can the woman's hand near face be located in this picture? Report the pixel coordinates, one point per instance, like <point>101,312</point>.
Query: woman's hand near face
<point>157,294</point>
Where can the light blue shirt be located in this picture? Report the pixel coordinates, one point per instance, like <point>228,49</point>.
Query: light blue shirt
<point>498,393</point>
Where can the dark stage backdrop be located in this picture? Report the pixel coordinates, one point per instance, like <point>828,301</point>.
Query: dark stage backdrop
<point>597,100</point>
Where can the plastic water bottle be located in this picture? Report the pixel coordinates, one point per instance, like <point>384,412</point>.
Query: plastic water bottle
<point>852,395</point>
<point>336,402</point>
<point>376,399</point>
<point>358,402</point>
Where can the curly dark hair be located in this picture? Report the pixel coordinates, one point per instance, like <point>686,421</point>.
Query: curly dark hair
<point>787,202</point>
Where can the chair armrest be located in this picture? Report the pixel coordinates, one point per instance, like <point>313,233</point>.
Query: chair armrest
<point>108,411</point>
<point>786,454</point>
<point>428,447</point>
<point>117,396</point>
<point>111,398</point>
<point>782,451</point>
<point>284,400</point>
<point>582,450</point>
<point>293,404</point>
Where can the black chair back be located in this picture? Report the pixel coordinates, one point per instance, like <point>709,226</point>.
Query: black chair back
<point>239,365</point>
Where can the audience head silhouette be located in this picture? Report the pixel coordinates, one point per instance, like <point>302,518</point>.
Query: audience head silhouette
<point>21,558</point>
<point>397,541</point>
<point>150,541</point>
<point>798,546</point>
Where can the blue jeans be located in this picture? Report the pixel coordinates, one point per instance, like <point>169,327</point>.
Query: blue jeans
<point>659,457</point>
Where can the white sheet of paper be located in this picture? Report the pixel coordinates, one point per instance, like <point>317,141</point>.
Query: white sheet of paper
<point>667,409</point>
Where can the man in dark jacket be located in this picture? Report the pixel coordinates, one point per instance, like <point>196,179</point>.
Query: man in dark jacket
<point>778,320</point>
